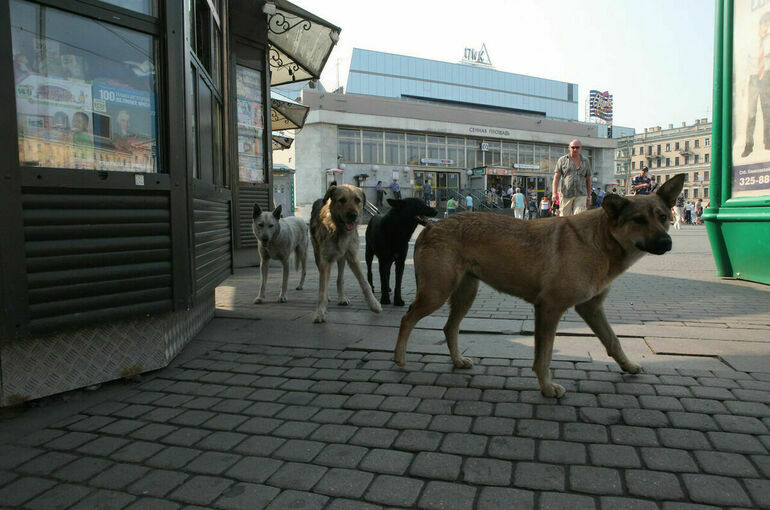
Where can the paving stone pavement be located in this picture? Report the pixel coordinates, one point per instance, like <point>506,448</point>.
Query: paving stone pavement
<point>266,410</point>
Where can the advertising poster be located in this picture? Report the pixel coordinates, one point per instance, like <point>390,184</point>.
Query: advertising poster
<point>124,128</point>
<point>55,124</point>
<point>250,125</point>
<point>751,99</point>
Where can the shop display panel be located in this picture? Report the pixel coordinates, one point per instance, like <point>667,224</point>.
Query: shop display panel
<point>85,92</point>
<point>251,125</point>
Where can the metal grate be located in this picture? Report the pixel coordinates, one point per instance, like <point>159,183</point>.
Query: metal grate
<point>92,256</point>
<point>213,253</point>
<point>247,198</point>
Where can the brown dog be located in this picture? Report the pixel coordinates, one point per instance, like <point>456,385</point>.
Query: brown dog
<point>553,263</point>
<point>333,231</point>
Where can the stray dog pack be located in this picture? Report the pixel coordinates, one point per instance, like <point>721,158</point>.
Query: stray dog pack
<point>553,263</point>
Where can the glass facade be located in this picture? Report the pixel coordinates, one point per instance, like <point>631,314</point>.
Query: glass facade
<point>403,77</point>
<point>398,148</point>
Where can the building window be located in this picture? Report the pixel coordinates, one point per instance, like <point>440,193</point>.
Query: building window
<point>649,150</point>
<point>706,157</point>
<point>456,151</point>
<point>707,142</point>
<point>492,154</point>
<point>86,92</point>
<point>696,159</point>
<point>687,160</point>
<point>657,163</point>
<point>686,177</point>
<point>371,147</point>
<point>437,147</point>
<point>633,165</point>
<point>641,150</point>
<point>415,148</point>
<point>658,149</point>
<point>687,145</point>
<point>668,161</point>
<point>526,154</point>
<point>695,176</point>
<point>705,192</point>
<point>676,146</point>
<point>676,161</point>
<point>633,150</point>
<point>510,154</point>
<point>695,192</point>
<point>395,148</point>
<point>350,145</point>
<point>668,147</point>
<point>141,6</point>
<point>697,144</point>
<point>706,175</point>
<point>541,157</point>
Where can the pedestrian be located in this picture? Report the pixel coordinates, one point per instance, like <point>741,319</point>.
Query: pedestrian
<point>545,207</point>
<point>572,180</point>
<point>426,192</point>
<point>679,211</point>
<point>509,193</point>
<point>688,213</point>
<point>600,197</point>
<point>594,198</point>
<point>451,206</point>
<point>396,189</point>
<point>469,201</point>
<point>518,204</point>
<point>642,184</point>
<point>555,207</point>
<point>380,193</point>
<point>699,212</point>
<point>532,210</point>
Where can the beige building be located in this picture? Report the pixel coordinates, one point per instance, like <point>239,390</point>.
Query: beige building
<point>667,152</point>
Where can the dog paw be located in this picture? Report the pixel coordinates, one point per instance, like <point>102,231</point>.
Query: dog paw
<point>399,358</point>
<point>632,368</point>
<point>376,307</point>
<point>462,362</point>
<point>319,317</point>
<point>282,299</point>
<point>258,300</point>
<point>343,302</point>
<point>553,390</point>
<point>398,302</point>
<point>299,287</point>
<point>385,300</point>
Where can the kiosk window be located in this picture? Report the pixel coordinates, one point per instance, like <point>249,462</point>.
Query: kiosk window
<point>142,6</point>
<point>85,92</point>
<point>251,165</point>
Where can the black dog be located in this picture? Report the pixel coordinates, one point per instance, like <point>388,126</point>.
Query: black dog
<point>388,237</point>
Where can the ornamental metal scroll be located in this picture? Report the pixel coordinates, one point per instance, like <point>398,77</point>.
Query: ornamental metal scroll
<point>276,62</point>
<point>279,24</point>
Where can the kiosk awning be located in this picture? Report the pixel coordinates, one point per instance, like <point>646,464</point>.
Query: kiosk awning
<point>281,141</point>
<point>286,113</point>
<point>300,42</point>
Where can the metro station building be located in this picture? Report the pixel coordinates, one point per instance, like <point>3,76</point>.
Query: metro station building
<point>455,125</point>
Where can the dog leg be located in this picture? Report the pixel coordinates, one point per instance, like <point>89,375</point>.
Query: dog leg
<point>285,281</point>
<point>400,261</point>
<point>592,311</point>
<point>546,321</point>
<point>301,256</point>
<point>385,264</point>
<point>460,302</point>
<point>429,299</point>
<point>342,299</point>
<point>264,265</point>
<point>355,266</point>
<point>369,260</point>
<point>324,268</point>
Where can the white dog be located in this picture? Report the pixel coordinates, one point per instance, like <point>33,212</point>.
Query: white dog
<point>278,239</point>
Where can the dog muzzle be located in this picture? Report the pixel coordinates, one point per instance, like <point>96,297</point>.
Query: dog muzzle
<point>658,246</point>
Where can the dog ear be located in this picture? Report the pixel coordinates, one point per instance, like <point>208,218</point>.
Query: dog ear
<point>671,189</point>
<point>277,212</point>
<point>613,204</point>
<point>256,212</point>
<point>330,192</point>
<point>363,197</point>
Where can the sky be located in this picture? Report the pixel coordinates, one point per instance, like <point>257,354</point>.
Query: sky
<point>655,56</point>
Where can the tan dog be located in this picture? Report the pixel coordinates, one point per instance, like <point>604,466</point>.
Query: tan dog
<point>553,263</point>
<point>333,231</point>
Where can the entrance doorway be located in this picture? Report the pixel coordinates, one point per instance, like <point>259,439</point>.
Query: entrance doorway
<point>443,184</point>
